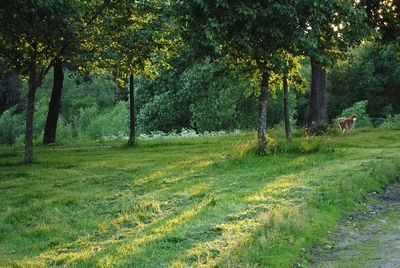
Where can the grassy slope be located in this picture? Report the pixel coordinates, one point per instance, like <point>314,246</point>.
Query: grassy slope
<point>186,202</point>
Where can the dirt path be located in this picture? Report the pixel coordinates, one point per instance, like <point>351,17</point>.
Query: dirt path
<point>368,237</point>
<point>61,148</point>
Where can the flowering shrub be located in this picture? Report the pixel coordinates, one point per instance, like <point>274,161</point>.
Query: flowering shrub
<point>184,133</point>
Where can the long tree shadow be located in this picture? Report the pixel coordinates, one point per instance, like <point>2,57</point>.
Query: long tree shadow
<point>236,213</point>
<point>188,212</point>
<point>141,216</point>
<point>270,201</point>
<point>97,249</point>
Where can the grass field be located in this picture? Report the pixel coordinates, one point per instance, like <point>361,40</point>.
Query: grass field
<point>178,202</point>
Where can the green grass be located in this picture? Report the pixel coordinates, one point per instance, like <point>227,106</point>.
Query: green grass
<point>186,202</point>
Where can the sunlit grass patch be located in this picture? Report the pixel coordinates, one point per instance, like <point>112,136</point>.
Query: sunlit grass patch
<point>202,201</point>
<point>291,230</point>
<point>244,148</point>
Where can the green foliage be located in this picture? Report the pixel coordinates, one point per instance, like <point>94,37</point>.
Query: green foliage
<point>11,126</point>
<point>87,116</point>
<point>136,38</point>
<point>160,113</point>
<point>37,30</point>
<point>250,32</point>
<point>65,131</point>
<point>216,97</point>
<point>10,83</point>
<point>101,89</point>
<point>372,73</point>
<point>228,44</point>
<point>41,110</point>
<point>111,125</point>
<point>383,17</point>
<point>331,28</point>
<point>217,111</point>
<point>83,100</point>
<point>360,110</point>
<point>97,91</point>
<point>206,96</point>
<point>391,122</point>
<point>275,111</point>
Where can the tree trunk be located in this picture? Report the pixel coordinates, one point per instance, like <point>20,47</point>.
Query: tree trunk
<point>316,120</point>
<point>29,113</point>
<point>55,101</point>
<point>132,133</point>
<point>288,128</point>
<point>262,115</point>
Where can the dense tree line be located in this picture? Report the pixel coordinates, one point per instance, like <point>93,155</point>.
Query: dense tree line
<point>371,73</point>
<point>205,64</point>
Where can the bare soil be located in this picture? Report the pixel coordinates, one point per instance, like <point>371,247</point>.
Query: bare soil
<point>367,237</point>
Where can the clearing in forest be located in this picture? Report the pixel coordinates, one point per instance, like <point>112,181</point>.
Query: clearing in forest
<point>187,201</point>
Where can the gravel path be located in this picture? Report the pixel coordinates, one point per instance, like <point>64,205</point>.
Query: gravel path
<point>368,237</point>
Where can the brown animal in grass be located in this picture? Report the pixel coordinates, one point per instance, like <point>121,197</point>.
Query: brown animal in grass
<point>347,124</point>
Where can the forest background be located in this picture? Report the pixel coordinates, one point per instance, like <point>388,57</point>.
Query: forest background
<point>184,76</point>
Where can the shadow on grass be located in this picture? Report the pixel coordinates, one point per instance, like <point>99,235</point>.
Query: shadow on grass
<point>185,212</point>
<point>202,241</point>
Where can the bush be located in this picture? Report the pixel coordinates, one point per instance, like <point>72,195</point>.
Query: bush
<point>359,109</point>
<point>391,122</point>
<point>64,130</point>
<point>217,111</point>
<point>86,117</point>
<point>204,96</point>
<point>11,126</point>
<point>111,125</point>
<point>160,114</point>
<point>20,140</point>
<point>39,119</point>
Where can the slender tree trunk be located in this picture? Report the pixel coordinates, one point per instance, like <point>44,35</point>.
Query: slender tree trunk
<point>288,128</point>
<point>262,115</point>
<point>55,101</point>
<point>317,117</point>
<point>132,133</point>
<point>29,113</point>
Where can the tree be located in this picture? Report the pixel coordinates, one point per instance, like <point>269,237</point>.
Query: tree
<point>317,114</point>
<point>371,73</point>
<point>384,17</point>
<point>75,34</point>
<point>251,32</point>
<point>333,26</point>
<point>50,130</point>
<point>31,37</point>
<point>290,69</point>
<point>141,39</point>
<point>203,95</point>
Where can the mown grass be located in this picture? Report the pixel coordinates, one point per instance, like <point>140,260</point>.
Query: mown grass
<point>186,202</point>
